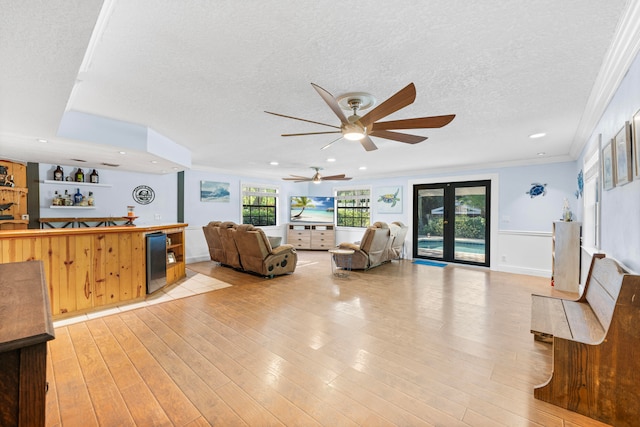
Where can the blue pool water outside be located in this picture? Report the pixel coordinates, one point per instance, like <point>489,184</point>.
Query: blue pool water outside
<point>469,246</point>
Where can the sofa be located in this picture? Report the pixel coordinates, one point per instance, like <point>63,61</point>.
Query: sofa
<point>247,248</point>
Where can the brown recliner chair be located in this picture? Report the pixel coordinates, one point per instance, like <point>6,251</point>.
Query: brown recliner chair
<point>212,235</point>
<point>257,255</point>
<point>372,250</point>
<point>398,234</point>
<point>231,256</point>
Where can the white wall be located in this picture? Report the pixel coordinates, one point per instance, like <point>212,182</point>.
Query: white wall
<point>620,223</point>
<point>113,201</point>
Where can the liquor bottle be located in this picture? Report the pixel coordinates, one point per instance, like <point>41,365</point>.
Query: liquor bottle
<point>67,199</point>
<point>58,174</point>
<point>56,199</point>
<point>93,178</point>
<point>90,200</point>
<point>77,198</point>
<point>79,175</point>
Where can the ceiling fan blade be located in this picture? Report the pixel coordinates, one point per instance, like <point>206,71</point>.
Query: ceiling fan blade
<point>302,120</point>
<point>334,176</point>
<point>346,178</point>
<point>331,102</point>
<point>397,136</point>
<point>327,146</point>
<point>399,100</point>
<point>298,179</point>
<point>368,144</point>
<point>416,123</point>
<point>309,133</point>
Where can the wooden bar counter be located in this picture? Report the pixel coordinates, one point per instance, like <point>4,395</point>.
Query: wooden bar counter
<point>95,267</point>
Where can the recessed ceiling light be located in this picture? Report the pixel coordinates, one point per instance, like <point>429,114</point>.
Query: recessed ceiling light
<point>537,135</point>
<point>154,161</point>
<point>362,168</point>
<point>122,152</point>
<point>542,153</point>
<point>274,163</point>
<point>42,140</point>
<point>331,159</point>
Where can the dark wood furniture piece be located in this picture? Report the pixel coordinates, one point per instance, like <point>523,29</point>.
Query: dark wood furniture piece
<point>25,328</point>
<point>596,345</point>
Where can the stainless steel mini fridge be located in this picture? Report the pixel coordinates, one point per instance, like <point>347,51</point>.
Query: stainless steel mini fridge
<point>156,261</point>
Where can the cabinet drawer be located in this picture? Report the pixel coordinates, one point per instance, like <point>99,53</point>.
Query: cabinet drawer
<point>301,239</point>
<point>324,245</point>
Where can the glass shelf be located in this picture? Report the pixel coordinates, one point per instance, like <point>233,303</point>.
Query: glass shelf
<point>74,183</point>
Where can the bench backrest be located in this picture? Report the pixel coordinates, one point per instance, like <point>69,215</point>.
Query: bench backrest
<point>603,288</point>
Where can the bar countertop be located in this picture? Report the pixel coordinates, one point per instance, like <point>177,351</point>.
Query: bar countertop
<point>90,230</point>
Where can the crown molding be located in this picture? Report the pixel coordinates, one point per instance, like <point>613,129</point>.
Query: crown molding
<point>616,63</point>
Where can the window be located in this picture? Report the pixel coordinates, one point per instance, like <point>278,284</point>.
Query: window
<point>352,207</point>
<point>591,200</point>
<point>259,204</point>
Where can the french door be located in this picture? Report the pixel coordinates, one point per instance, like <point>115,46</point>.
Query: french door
<point>451,221</point>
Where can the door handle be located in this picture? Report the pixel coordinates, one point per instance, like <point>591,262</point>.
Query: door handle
<point>446,222</point>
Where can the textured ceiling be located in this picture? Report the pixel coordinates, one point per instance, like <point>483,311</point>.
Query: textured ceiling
<point>202,72</point>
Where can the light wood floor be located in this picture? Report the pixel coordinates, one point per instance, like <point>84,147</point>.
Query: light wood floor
<point>401,344</point>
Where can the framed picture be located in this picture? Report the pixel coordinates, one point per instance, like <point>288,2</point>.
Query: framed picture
<point>635,142</point>
<point>211,191</point>
<point>389,199</point>
<point>171,257</point>
<point>608,172</point>
<point>622,150</point>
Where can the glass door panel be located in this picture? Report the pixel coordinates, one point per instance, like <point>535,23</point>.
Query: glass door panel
<point>470,224</point>
<point>430,224</point>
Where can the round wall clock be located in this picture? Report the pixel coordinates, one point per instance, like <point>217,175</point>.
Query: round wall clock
<point>143,194</point>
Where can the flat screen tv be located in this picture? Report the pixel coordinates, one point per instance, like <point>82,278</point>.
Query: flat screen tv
<point>312,209</point>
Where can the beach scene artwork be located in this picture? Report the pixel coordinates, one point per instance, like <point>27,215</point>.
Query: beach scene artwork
<point>312,209</point>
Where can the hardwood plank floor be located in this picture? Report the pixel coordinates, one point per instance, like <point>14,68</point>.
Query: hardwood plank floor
<point>402,344</point>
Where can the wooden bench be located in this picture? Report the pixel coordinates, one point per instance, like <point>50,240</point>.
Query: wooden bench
<point>596,345</point>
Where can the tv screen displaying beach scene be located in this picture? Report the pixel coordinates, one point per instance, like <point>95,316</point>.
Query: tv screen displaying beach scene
<point>312,209</point>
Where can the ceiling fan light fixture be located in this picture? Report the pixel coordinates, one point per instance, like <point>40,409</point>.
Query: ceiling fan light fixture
<point>354,132</point>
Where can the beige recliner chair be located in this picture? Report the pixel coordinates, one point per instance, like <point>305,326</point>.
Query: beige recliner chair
<point>231,256</point>
<point>212,235</point>
<point>373,248</point>
<point>257,255</point>
<point>398,234</point>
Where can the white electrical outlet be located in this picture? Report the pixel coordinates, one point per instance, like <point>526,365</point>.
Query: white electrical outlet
<point>157,216</point>
<point>504,257</point>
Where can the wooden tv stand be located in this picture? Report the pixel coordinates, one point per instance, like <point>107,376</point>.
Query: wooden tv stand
<point>311,236</point>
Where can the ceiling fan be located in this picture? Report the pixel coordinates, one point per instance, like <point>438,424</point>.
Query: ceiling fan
<point>317,178</point>
<point>358,128</point>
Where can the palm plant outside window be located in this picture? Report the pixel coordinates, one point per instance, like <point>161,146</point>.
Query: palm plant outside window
<point>259,205</point>
<point>353,207</point>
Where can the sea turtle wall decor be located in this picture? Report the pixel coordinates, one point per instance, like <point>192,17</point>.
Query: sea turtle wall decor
<point>389,199</point>
<point>537,189</point>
